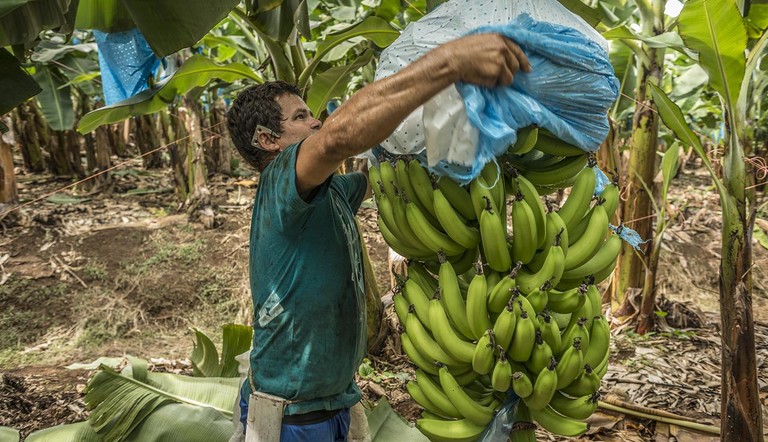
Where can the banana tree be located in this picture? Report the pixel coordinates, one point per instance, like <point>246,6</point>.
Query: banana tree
<point>716,32</point>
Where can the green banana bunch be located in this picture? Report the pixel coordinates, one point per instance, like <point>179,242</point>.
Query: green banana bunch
<point>474,412</point>
<point>544,387</point>
<point>569,365</point>
<point>578,408</point>
<point>494,239</point>
<point>501,378</point>
<point>483,358</point>
<point>453,224</point>
<point>527,138</point>
<point>557,423</point>
<point>462,430</point>
<point>477,305</point>
<point>451,298</point>
<point>525,238</point>
<point>448,338</point>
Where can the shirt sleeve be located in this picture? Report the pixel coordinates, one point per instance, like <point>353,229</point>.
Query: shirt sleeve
<point>353,186</point>
<point>278,184</point>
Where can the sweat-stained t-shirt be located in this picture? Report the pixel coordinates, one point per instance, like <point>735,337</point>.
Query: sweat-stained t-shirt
<point>306,277</point>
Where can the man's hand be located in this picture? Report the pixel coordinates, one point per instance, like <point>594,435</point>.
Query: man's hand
<point>485,59</point>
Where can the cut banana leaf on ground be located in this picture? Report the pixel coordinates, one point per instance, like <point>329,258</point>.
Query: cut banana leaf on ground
<point>77,432</point>
<point>8,434</point>
<point>387,426</point>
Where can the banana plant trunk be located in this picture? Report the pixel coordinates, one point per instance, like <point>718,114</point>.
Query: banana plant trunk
<point>147,140</point>
<point>8,189</point>
<point>741,410</point>
<point>637,210</point>
<point>58,148</point>
<point>218,154</point>
<point>28,129</point>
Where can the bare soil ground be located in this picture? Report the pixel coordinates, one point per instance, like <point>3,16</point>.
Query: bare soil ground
<point>126,273</point>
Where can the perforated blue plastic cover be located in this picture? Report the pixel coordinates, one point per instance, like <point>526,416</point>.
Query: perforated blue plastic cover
<point>126,62</point>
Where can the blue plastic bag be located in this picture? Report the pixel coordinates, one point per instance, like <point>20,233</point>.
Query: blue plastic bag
<point>126,62</point>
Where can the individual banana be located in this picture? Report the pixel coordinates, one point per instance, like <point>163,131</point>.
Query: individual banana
<point>501,378</point>
<point>578,408</point>
<point>424,343</point>
<point>599,341</point>
<point>526,140</point>
<point>494,239</point>
<point>587,382</point>
<point>604,258</point>
<point>470,409</point>
<point>521,384</point>
<point>462,430</point>
<point>435,394</point>
<point>504,327</point>
<point>524,235</point>
<point>417,298</point>
<point>551,271</point>
<point>479,190</point>
<point>418,395</point>
<point>570,364</point>
<point>458,196</point>
<point>503,291</point>
<point>477,305</point>
<point>595,300</point>
<point>577,204</point>
<point>419,360</point>
<point>419,273</point>
<point>567,301</point>
<point>524,338</point>
<point>611,195</point>
<point>433,238</point>
<point>540,355</point>
<point>483,358</point>
<point>451,297</point>
<point>590,242</point>
<point>576,331</point>
<point>544,387</point>
<point>558,175</point>
<point>422,185</point>
<point>397,245</point>
<point>550,332</point>
<point>519,183</point>
<point>558,424</point>
<point>452,223</point>
<point>493,176</point>
<point>446,336</point>
<point>388,179</point>
<point>401,305</point>
<point>539,297</point>
<point>552,145</point>
<point>464,262</point>
<point>406,187</point>
<point>404,229</point>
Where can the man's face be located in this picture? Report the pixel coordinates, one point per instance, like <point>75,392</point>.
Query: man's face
<point>298,122</point>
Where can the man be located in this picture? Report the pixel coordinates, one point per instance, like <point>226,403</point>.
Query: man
<point>305,269</point>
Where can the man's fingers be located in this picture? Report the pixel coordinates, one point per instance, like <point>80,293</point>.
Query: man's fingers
<point>506,76</point>
<point>512,63</point>
<point>522,59</point>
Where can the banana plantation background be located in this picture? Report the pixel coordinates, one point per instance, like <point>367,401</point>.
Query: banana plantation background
<point>125,226</point>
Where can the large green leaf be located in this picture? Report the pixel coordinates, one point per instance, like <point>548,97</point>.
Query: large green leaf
<point>590,15</point>
<point>204,357</point>
<point>24,22</point>
<point>82,73</point>
<point>104,15</point>
<point>48,51</point>
<point>170,26</point>
<point>9,5</point>
<point>8,434</point>
<point>753,60</point>
<point>237,339</point>
<point>197,71</point>
<point>16,85</point>
<point>216,392</point>
<point>55,99</point>
<point>689,81</point>
<point>715,30</point>
<point>77,432</point>
<point>183,423</point>
<point>372,28</point>
<point>333,83</point>
<point>280,22</point>
<point>757,20</point>
<point>669,166</point>
<point>665,40</point>
<point>623,61</point>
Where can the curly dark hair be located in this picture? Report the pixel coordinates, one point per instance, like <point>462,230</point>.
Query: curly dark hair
<point>257,106</point>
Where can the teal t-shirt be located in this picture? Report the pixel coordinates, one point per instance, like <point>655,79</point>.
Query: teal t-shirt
<point>306,278</point>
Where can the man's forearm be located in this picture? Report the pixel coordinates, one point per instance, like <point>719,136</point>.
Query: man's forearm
<point>374,112</point>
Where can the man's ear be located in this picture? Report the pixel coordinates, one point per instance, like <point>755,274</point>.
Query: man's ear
<point>267,142</point>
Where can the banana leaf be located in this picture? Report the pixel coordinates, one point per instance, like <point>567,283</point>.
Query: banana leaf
<point>22,23</point>
<point>236,339</point>
<point>333,83</point>
<point>197,71</point>
<point>665,40</point>
<point>17,86</point>
<point>623,61</point>
<point>83,74</point>
<point>55,99</point>
<point>757,20</point>
<point>77,432</point>
<point>104,15</point>
<point>590,15</point>
<point>280,22</point>
<point>375,29</point>
<point>183,423</point>
<point>48,51</point>
<point>387,426</point>
<point>9,5</point>
<point>8,434</point>
<point>753,61</point>
<point>715,30</point>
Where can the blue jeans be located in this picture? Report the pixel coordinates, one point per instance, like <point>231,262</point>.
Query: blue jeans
<point>334,429</point>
